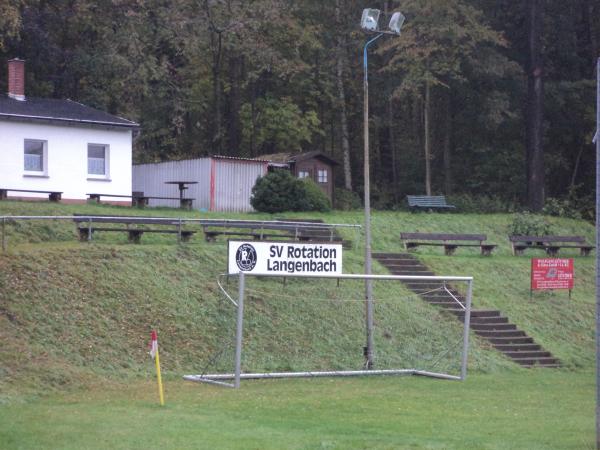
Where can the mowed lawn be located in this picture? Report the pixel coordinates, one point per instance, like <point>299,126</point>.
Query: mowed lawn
<point>520,410</point>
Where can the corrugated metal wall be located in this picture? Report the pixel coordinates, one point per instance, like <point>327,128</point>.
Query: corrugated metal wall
<point>150,179</point>
<point>233,183</point>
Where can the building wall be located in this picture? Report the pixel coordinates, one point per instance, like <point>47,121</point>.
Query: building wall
<point>224,184</point>
<point>150,179</point>
<point>233,181</point>
<point>313,165</point>
<point>66,160</point>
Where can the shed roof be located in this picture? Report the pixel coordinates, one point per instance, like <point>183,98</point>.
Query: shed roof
<point>287,158</point>
<point>55,110</point>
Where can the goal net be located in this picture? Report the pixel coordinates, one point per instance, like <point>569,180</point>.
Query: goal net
<point>303,326</point>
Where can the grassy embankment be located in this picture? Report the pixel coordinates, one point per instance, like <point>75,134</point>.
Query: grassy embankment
<point>76,312</point>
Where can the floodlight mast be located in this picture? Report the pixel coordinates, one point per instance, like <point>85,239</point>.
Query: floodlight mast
<point>369,23</point>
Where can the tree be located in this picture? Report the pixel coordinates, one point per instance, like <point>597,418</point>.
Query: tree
<point>439,40</point>
<point>535,96</point>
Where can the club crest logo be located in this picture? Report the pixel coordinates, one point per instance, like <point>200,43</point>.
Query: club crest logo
<point>245,257</point>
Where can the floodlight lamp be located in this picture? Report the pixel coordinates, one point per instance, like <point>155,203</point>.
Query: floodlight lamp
<point>370,18</point>
<point>396,22</point>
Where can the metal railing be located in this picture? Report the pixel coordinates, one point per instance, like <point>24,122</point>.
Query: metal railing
<point>263,224</point>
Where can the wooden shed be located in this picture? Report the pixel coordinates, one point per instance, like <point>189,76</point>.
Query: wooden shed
<point>315,165</point>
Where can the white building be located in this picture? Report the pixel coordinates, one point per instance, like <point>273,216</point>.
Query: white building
<point>61,145</point>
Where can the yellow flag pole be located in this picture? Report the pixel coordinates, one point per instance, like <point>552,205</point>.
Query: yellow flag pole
<point>160,386</point>
<point>155,354</point>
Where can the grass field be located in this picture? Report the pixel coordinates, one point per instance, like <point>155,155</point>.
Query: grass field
<point>532,410</point>
<point>75,320</point>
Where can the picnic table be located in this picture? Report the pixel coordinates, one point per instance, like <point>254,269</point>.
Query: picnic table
<point>550,244</point>
<point>140,200</point>
<point>449,241</point>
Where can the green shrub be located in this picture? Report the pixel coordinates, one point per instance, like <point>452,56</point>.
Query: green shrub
<point>311,197</point>
<point>346,200</point>
<point>279,191</point>
<point>527,224</point>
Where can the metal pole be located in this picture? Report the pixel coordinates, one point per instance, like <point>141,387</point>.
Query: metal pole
<point>4,234</point>
<point>238,333</point>
<point>597,140</point>
<point>367,189</point>
<point>467,324</point>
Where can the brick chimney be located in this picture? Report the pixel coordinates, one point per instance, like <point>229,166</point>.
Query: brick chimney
<point>16,79</point>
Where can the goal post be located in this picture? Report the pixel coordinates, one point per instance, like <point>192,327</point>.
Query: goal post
<point>233,379</point>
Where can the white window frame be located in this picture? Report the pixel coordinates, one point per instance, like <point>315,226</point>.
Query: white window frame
<point>98,176</point>
<point>304,173</point>
<point>322,175</point>
<point>37,173</point>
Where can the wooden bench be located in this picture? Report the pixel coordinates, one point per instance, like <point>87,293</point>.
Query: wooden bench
<point>428,202</point>
<point>141,200</point>
<point>86,226</point>
<point>300,231</point>
<point>550,244</point>
<point>450,242</point>
<point>53,196</point>
<point>134,235</point>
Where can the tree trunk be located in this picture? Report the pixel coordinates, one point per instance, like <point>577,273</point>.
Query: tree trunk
<point>427,138</point>
<point>447,142</point>
<point>216,70</point>
<point>535,93</point>
<point>576,168</point>
<point>342,102</point>
<point>393,147</point>
<point>234,128</point>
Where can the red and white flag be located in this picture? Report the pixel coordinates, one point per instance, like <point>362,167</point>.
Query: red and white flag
<point>153,344</point>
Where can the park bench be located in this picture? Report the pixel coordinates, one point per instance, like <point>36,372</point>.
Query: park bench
<point>53,196</point>
<point>282,230</point>
<point>140,200</point>
<point>249,229</point>
<point>86,227</point>
<point>450,242</point>
<point>550,244</point>
<point>428,202</point>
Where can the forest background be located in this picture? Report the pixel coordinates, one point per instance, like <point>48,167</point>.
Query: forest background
<point>489,101</point>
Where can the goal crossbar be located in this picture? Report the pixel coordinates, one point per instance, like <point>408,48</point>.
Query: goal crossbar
<point>237,375</point>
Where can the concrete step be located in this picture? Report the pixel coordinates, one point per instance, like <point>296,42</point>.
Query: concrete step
<point>506,340</point>
<point>487,320</point>
<point>517,347</point>
<point>493,326</point>
<point>534,354</point>
<point>477,313</point>
<point>443,304</point>
<point>535,361</point>
<point>500,333</point>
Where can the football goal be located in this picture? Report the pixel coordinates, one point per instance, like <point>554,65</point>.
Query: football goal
<point>301,326</point>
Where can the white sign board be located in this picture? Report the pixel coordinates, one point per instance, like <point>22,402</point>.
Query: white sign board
<point>283,258</point>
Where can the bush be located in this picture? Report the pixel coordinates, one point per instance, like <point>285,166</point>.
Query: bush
<point>279,191</point>
<point>346,200</point>
<point>311,197</point>
<point>526,224</point>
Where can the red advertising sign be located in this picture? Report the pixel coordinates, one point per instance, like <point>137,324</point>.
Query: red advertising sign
<point>552,273</point>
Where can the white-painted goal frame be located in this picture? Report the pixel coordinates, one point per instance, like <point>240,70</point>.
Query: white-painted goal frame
<point>220,379</point>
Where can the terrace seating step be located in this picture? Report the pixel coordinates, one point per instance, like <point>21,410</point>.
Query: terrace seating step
<point>493,326</point>
<point>488,324</point>
<point>507,348</point>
